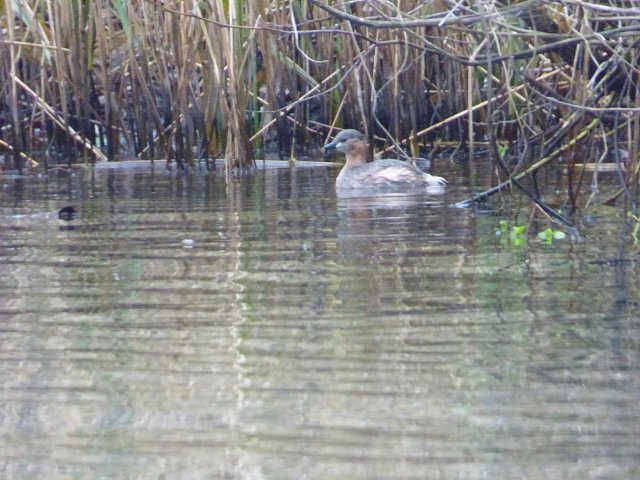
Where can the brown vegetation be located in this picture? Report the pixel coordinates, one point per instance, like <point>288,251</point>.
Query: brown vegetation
<point>534,81</point>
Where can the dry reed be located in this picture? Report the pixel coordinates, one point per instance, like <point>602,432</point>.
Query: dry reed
<point>188,80</point>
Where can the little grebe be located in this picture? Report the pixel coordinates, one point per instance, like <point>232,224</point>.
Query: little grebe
<point>384,174</point>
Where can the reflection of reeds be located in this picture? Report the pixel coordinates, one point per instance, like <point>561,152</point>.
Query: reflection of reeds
<point>212,78</point>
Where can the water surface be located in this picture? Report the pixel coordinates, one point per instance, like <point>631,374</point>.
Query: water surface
<point>185,327</point>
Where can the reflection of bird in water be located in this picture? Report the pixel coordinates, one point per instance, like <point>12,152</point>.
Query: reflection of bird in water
<point>67,213</point>
<point>382,175</point>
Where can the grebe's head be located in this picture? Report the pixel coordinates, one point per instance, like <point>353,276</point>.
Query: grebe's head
<point>347,141</point>
<point>67,213</point>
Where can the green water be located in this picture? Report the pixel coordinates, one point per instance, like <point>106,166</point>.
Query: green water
<point>186,328</point>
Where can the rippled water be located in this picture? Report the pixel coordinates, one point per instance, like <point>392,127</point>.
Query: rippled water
<point>183,328</point>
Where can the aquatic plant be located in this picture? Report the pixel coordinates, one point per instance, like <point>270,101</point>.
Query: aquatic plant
<point>548,235</point>
<point>515,235</point>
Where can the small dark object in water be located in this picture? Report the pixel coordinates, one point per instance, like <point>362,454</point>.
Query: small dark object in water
<point>67,213</point>
<point>385,174</point>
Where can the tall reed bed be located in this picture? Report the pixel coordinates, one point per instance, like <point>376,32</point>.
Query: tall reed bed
<point>528,82</point>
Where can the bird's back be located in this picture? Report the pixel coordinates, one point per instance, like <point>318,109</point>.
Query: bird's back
<point>385,174</point>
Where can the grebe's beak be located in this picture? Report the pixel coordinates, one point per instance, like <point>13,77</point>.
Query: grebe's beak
<point>329,147</point>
